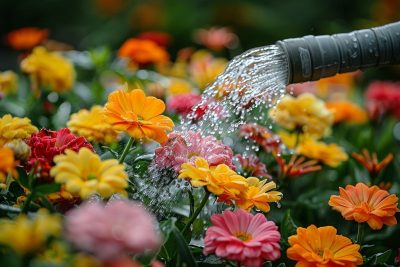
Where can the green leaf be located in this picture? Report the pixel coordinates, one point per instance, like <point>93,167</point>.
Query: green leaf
<point>379,258</point>
<point>46,189</point>
<point>113,153</point>
<point>167,227</point>
<point>9,257</point>
<point>288,227</point>
<point>23,177</point>
<point>183,249</point>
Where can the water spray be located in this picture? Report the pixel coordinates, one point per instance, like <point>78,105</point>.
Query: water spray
<point>311,58</point>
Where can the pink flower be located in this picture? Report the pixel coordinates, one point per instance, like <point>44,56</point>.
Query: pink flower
<point>112,231</point>
<point>252,166</point>
<point>383,97</point>
<point>243,237</point>
<point>181,148</point>
<point>216,38</point>
<point>183,104</point>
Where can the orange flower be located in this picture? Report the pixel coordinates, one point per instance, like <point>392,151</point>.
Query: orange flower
<point>345,111</point>
<point>143,52</point>
<point>138,115</point>
<point>296,166</point>
<point>7,165</point>
<point>314,247</point>
<point>26,38</point>
<point>366,204</point>
<point>370,161</point>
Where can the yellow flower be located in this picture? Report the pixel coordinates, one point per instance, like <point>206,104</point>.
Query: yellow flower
<point>56,253</point>
<point>329,154</point>
<point>178,86</point>
<point>7,165</point>
<point>12,128</point>
<point>204,68</point>
<point>85,174</point>
<point>27,236</point>
<point>8,82</point>
<point>86,260</point>
<point>49,69</point>
<point>92,125</point>
<point>258,194</point>
<point>292,140</point>
<point>220,180</point>
<point>305,113</point>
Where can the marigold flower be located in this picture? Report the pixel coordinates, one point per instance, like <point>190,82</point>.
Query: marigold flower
<point>7,165</point>
<point>216,38</point>
<point>329,154</point>
<point>345,111</point>
<point>49,69</point>
<point>383,97</point>
<point>219,180</point>
<point>204,68</point>
<point>243,237</point>
<point>14,128</point>
<point>321,246</point>
<point>27,236</point>
<point>305,112</point>
<point>85,174</point>
<point>112,231</point>
<point>138,115</point>
<point>261,136</point>
<point>178,87</point>
<point>182,148</point>
<point>92,125</point>
<point>183,104</point>
<point>143,52</point>
<point>252,166</point>
<point>296,166</point>
<point>8,82</point>
<point>26,38</point>
<point>47,144</point>
<point>370,161</point>
<point>366,204</point>
<point>258,194</point>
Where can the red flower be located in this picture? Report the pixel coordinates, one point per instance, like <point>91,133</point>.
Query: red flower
<point>46,144</point>
<point>160,38</point>
<point>252,166</point>
<point>383,97</point>
<point>261,136</point>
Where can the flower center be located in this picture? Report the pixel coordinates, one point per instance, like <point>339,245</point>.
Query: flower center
<point>245,237</point>
<point>193,154</point>
<point>92,176</point>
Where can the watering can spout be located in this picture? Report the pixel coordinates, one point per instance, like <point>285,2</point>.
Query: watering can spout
<point>311,58</point>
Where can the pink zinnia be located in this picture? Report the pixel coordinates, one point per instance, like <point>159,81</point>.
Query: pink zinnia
<point>243,237</point>
<point>112,231</point>
<point>181,148</point>
<point>183,104</point>
<point>252,166</point>
<point>383,97</point>
<point>47,144</point>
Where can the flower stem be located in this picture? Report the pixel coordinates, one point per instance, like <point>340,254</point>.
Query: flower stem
<point>27,203</point>
<point>196,212</point>
<point>126,150</point>
<point>191,202</point>
<point>360,233</point>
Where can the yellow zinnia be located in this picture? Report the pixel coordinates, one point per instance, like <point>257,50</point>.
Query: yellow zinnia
<point>219,180</point>
<point>49,69</point>
<point>305,113</point>
<point>27,236</point>
<point>92,125</point>
<point>85,174</point>
<point>8,82</point>
<point>329,154</point>
<point>12,128</point>
<point>258,194</point>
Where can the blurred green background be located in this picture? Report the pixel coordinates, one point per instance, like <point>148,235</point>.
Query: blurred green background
<point>90,23</point>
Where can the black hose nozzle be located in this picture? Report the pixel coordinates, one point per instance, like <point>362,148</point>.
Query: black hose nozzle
<point>311,58</point>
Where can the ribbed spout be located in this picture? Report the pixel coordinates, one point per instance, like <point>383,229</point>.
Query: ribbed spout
<point>311,58</point>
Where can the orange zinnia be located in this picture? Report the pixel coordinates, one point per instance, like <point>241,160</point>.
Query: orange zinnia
<point>138,115</point>
<point>366,204</point>
<point>322,247</point>
<point>143,52</point>
<point>345,111</point>
<point>26,38</point>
